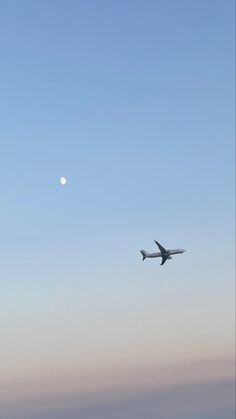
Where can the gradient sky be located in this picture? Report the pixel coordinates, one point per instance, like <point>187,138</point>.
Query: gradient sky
<point>132,101</point>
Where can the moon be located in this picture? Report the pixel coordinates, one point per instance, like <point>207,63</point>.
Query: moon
<point>63,180</point>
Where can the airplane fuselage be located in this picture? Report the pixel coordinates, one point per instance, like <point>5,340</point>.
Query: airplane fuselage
<point>169,252</point>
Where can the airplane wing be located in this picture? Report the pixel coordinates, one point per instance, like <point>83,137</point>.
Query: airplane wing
<point>164,259</point>
<point>161,248</point>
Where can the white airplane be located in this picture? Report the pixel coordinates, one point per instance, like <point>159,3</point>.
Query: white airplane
<point>164,253</point>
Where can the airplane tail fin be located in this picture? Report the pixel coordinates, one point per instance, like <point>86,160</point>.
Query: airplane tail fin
<point>144,254</point>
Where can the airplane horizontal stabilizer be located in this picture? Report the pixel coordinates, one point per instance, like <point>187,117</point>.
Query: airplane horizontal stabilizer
<point>143,254</point>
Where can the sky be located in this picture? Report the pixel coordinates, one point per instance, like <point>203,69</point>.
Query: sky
<point>133,102</point>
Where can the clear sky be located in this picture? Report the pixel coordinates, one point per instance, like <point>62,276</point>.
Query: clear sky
<point>133,102</point>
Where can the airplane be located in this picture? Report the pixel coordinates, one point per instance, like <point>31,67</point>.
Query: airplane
<point>164,253</point>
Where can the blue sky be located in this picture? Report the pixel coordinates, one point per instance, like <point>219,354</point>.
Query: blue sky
<point>133,102</point>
